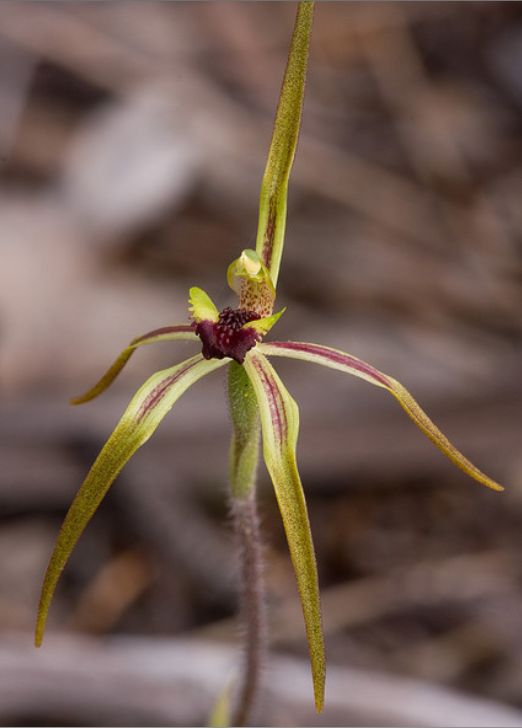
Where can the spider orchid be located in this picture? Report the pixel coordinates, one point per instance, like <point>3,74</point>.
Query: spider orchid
<point>259,401</point>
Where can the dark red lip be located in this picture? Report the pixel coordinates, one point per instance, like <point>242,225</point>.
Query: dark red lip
<point>226,337</point>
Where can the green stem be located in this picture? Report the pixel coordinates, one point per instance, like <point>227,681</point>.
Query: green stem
<point>244,449</point>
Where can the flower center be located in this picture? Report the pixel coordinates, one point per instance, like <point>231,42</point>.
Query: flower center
<point>226,337</point>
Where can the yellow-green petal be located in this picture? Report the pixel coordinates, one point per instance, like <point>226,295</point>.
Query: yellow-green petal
<point>280,428</point>
<point>147,408</point>
<point>167,333</point>
<point>201,306</point>
<point>263,325</point>
<point>343,362</point>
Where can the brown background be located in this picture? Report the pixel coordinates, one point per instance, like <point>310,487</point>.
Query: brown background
<point>132,143</point>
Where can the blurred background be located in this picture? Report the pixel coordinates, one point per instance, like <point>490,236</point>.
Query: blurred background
<point>132,143</point>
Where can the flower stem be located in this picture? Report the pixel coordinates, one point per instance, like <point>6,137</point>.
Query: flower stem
<point>244,457</point>
<point>244,449</point>
<point>246,526</point>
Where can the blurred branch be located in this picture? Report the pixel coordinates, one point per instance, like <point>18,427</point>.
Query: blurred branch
<point>57,34</point>
<point>175,681</point>
<point>463,579</point>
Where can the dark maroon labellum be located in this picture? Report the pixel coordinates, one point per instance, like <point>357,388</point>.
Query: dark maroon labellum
<point>226,337</point>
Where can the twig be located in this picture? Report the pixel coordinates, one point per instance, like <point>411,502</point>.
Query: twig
<point>175,681</point>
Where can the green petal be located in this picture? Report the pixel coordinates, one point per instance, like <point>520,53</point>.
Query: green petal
<point>272,204</point>
<point>263,325</point>
<point>201,306</point>
<point>167,333</point>
<point>147,408</point>
<point>336,359</point>
<point>280,427</point>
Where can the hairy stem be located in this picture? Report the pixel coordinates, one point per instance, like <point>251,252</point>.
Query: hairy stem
<point>244,449</point>
<point>244,457</point>
<point>246,526</point>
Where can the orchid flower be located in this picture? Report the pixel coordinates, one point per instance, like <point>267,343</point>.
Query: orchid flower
<point>259,401</point>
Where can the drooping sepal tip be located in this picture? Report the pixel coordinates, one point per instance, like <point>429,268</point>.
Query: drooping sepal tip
<point>179,332</point>
<point>106,380</point>
<point>340,360</point>
<point>146,410</point>
<point>279,415</point>
<point>432,432</point>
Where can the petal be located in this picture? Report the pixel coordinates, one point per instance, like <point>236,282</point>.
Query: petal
<point>280,426</point>
<point>336,359</point>
<point>147,408</point>
<point>201,306</point>
<point>272,204</point>
<point>167,333</point>
<point>263,325</point>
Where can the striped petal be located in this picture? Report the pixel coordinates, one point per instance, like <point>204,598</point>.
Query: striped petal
<point>336,359</point>
<point>167,333</point>
<point>147,408</point>
<point>272,203</point>
<point>280,426</point>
